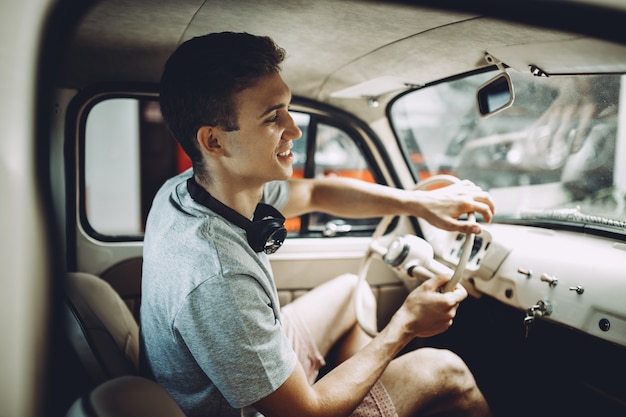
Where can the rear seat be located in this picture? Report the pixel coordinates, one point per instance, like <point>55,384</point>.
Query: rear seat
<point>126,396</point>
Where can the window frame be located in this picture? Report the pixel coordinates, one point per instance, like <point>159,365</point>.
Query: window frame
<point>315,119</point>
<point>75,143</point>
<point>76,123</point>
<point>418,172</point>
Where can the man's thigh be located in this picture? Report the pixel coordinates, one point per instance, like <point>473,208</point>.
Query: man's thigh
<point>377,403</point>
<point>328,310</point>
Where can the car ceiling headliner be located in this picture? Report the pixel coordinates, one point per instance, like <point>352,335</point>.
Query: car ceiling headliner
<point>331,45</point>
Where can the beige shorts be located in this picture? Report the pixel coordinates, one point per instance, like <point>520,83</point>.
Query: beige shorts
<point>376,404</point>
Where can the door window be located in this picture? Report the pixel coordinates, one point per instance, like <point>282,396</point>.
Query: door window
<point>129,153</point>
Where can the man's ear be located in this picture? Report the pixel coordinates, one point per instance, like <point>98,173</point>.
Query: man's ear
<point>208,139</point>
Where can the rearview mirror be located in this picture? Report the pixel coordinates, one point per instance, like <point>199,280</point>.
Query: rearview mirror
<point>495,95</point>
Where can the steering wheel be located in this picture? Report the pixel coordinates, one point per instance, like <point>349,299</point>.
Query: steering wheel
<point>377,247</point>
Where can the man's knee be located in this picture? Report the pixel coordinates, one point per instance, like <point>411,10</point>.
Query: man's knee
<point>452,371</point>
<point>455,381</point>
<point>344,284</point>
<point>339,292</point>
<point>446,371</point>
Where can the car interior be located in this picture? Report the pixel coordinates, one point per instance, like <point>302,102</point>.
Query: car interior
<point>525,99</point>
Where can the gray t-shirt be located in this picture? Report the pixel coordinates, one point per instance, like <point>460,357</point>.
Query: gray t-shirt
<point>210,315</point>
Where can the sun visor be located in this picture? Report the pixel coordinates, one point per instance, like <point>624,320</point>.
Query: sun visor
<point>569,56</point>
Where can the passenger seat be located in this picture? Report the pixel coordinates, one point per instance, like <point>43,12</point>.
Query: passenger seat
<point>101,329</point>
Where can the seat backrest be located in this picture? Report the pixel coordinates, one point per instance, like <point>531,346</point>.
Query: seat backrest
<point>126,396</point>
<point>100,327</point>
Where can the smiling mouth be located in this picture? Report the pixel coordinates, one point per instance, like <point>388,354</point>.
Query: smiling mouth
<point>287,153</point>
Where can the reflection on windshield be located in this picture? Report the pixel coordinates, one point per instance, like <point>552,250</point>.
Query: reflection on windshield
<point>555,148</point>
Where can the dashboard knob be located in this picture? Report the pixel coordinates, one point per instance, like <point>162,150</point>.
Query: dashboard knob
<point>578,288</point>
<point>550,279</point>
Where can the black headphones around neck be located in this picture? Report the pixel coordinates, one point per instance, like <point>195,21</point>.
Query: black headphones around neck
<point>265,233</point>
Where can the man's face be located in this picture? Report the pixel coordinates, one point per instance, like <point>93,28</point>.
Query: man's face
<point>260,150</point>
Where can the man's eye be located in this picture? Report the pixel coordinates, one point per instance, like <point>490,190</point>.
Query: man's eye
<point>273,119</point>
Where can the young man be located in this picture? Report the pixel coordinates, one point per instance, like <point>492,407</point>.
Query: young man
<point>213,331</point>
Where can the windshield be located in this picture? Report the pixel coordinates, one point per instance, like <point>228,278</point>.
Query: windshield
<point>550,156</point>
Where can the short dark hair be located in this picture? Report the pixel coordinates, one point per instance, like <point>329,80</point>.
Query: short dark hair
<point>202,77</point>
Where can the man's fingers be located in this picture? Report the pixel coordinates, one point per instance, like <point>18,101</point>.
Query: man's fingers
<point>466,227</point>
<point>436,282</point>
<point>459,292</point>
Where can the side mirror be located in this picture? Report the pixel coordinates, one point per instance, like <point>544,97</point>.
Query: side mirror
<point>495,95</point>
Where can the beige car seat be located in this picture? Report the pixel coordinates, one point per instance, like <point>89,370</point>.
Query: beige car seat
<point>126,396</point>
<point>105,337</point>
<point>101,329</point>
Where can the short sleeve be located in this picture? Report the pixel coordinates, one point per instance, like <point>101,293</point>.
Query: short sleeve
<point>235,336</point>
<point>276,193</point>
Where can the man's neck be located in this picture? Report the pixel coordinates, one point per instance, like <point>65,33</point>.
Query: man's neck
<point>241,197</point>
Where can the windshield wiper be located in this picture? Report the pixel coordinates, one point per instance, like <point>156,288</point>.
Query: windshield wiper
<point>574,216</point>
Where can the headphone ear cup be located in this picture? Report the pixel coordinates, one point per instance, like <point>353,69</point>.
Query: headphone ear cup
<point>266,235</point>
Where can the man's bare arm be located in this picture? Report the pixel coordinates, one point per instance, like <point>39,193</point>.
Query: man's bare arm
<point>347,197</point>
<point>425,312</point>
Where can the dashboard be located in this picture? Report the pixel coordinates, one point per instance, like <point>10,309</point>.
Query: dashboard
<point>574,279</point>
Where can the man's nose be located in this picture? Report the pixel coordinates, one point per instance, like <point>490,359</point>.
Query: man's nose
<point>292,131</point>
